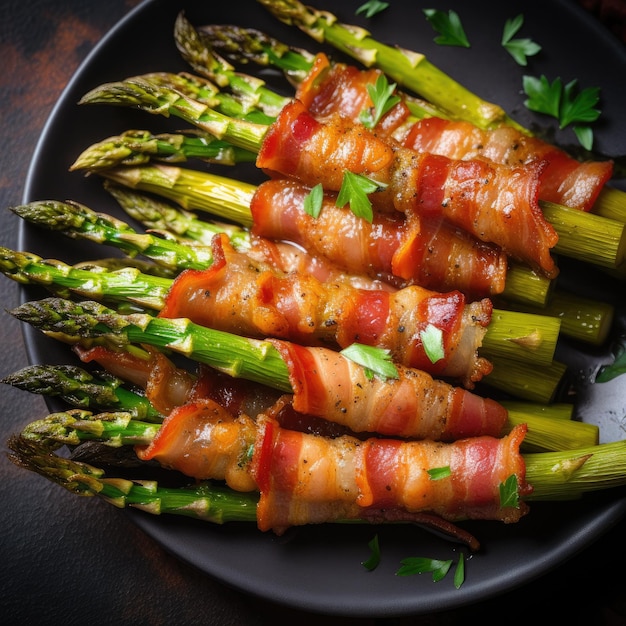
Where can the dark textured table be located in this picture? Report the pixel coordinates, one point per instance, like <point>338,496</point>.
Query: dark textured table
<point>77,561</point>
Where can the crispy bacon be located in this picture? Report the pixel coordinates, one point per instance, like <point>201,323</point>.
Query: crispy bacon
<point>563,180</point>
<point>167,386</point>
<point>342,89</point>
<point>431,254</point>
<point>305,479</point>
<point>494,203</point>
<point>236,295</point>
<point>289,257</point>
<point>329,385</point>
<point>203,440</point>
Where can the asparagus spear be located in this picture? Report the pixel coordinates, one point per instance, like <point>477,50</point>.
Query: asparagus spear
<point>251,359</point>
<point>81,389</point>
<point>578,231</point>
<point>530,338</point>
<point>137,147</point>
<point>205,501</point>
<point>78,221</point>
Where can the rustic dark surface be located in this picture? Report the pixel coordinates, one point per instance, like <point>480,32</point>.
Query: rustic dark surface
<point>77,561</point>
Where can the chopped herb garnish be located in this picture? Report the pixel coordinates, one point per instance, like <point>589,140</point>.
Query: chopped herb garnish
<point>509,495</point>
<point>422,565</point>
<point>449,27</point>
<point>374,559</point>
<point>459,572</point>
<point>564,103</point>
<point>519,49</point>
<point>437,473</point>
<point>381,93</point>
<point>354,190</point>
<point>432,340</point>
<point>313,200</point>
<point>376,360</point>
<point>372,7</point>
<point>615,369</point>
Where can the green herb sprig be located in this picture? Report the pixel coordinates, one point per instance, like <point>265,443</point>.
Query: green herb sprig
<point>449,27</point>
<point>375,360</point>
<point>565,103</point>
<point>371,8</point>
<point>382,95</point>
<point>519,49</point>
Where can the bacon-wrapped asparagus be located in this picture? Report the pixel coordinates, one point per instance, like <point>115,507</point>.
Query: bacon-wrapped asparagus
<point>255,300</point>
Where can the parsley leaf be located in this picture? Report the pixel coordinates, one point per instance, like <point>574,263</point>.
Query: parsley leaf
<point>564,103</point>
<point>432,340</point>
<point>617,368</point>
<point>578,107</point>
<point>519,49</point>
<point>381,93</point>
<point>354,190</point>
<point>437,473</point>
<point>459,572</point>
<point>423,565</point>
<point>372,7</point>
<point>376,360</point>
<point>374,559</point>
<point>509,495</point>
<point>543,96</point>
<point>313,201</point>
<point>449,27</point>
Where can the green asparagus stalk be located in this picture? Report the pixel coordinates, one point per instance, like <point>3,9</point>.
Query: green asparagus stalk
<point>125,285</point>
<point>529,338</point>
<point>252,90</point>
<point>583,319</point>
<point>157,215</point>
<point>75,322</point>
<point>563,475</point>
<point>546,433</point>
<point>138,147</point>
<point>148,94</point>
<point>540,384</point>
<point>78,221</point>
<point>205,501</point>
<point>81,389</point>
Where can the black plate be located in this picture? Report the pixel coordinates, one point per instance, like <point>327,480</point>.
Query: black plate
<point>319,568</point>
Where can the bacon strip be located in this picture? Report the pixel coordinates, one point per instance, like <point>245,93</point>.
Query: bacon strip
<point>494,203</point>
<point>342,89</point>
<point>431,254</point>
<point>167,386</point>
<point>203,440</point>
<point>306,479</point>
<point>326,384</point>
<point>238,296</point>
<point>563,180</point>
